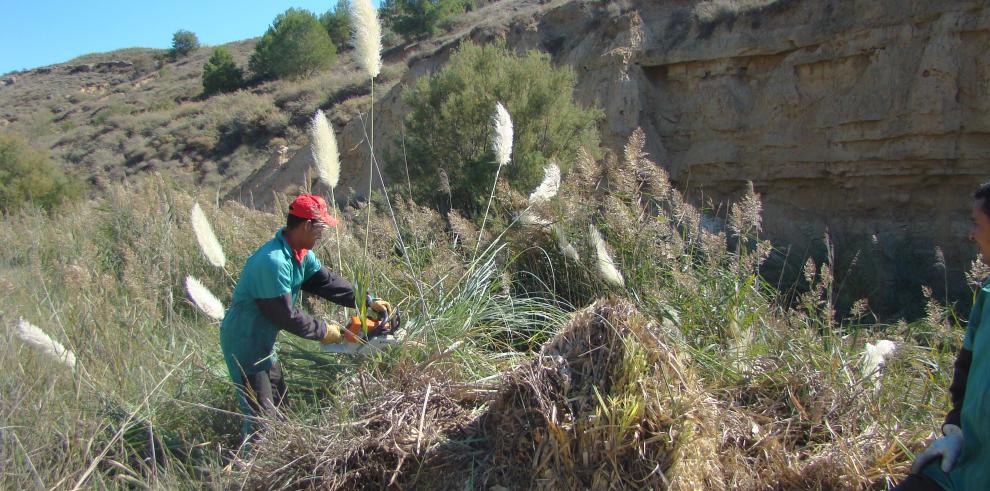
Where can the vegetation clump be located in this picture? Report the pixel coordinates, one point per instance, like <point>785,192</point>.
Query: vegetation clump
<point>221,74</point>
<point>296,45</point>
<point>183,43</point>
<point>447,127</point>
<point>337,23</point>
<point>29,176</point>
<point>416,19</point>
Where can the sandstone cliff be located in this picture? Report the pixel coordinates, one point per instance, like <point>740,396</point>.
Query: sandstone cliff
<point>866,118</point>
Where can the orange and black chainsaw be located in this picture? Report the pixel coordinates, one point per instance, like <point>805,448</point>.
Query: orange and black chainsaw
<point>374,334</point>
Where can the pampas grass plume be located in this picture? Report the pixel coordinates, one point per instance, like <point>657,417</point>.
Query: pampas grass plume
<point>208,242</point>
<point>606,266</point>
<point>204,299</point>
<point>33,335</point>
<point>324,147</point>
<point>503,135</point>
<point>367,34</point>
<point>529,219</point>
<point>874,355</point>
<point>565,246</point>
<point>548,188</point>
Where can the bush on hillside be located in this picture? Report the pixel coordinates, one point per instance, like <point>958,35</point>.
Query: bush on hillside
<point>221,74</point>
<point>414,19</point>
<point>449,125</point>
<point>183,43</point>
<point>337,23</point>
<point>29,176</point>
<point>296,45</point>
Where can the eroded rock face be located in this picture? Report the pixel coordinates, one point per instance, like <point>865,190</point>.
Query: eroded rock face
<point>868,119</point>
<point>864,118</point>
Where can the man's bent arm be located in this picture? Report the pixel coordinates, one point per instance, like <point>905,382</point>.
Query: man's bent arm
<point>284,315</point>
<point>957,390</point>
<point>330,286</point>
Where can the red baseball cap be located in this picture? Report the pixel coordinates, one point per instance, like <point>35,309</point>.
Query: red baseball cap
<point>311,207</point>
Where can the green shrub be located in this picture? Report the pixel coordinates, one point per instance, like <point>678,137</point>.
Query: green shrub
<point>449,125</point>
<point>337,23</point>
<point>183,43</point>
<point>413,19</point>
<point>296,45</point>
<point>220,74</point>
<point>28,175</point>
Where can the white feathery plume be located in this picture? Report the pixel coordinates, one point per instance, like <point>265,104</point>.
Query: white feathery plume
<point>565,246</point>
<point>503,135</point>
<point>529,219</point>
<point>367,34</point>
<point>33,335</point>
<point>874,355</point>
<point>208,242</point>
<point>323,144</point>
<point>204,299</point>
<point>502,143</point>
<point>606,266</point>
<point>548,188</point>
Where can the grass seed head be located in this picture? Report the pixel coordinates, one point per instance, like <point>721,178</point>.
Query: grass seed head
<point>606,266</point>
<point>208,242</point>
<point>33,335</point>
<point>565,245</point>
<point>978,272</point>
<point>204,299</point>
<point>548,188</point>
<point>367,34</point>
<point>324,147</point>
<point>874,355</point>
<point>746,215</point>
<point>503,134</point>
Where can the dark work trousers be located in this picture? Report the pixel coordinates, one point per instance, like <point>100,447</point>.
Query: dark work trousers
<point>263,392</point>
<point>917,482</point>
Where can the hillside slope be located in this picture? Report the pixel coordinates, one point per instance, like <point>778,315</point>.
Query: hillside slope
<point>864,119</point>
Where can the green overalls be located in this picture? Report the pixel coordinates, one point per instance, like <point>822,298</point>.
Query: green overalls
<point>972,469</point>
<point>247,338</point>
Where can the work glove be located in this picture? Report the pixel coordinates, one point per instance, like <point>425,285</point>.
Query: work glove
<point>947,448</point>
<point>380,306</point>
<point>335,334</point>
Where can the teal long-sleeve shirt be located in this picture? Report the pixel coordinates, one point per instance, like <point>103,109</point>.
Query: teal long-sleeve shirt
<point>972,469</point>
<point>268,287</point>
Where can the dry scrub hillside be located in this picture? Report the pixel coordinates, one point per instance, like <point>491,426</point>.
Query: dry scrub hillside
<point>133,111</point>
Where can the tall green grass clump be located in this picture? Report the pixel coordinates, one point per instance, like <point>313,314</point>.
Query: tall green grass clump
<point>104,279</point>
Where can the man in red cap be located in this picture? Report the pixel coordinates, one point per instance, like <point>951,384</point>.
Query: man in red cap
<point>265,300</point>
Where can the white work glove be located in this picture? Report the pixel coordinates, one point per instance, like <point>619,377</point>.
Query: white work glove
<point>947,448</point>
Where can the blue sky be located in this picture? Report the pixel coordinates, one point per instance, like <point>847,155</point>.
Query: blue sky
<point>35,33</point>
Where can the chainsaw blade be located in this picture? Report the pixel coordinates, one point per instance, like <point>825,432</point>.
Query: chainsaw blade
<point>372,345</point>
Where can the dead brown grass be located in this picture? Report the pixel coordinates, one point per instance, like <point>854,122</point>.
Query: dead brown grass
<point>611,402</point>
